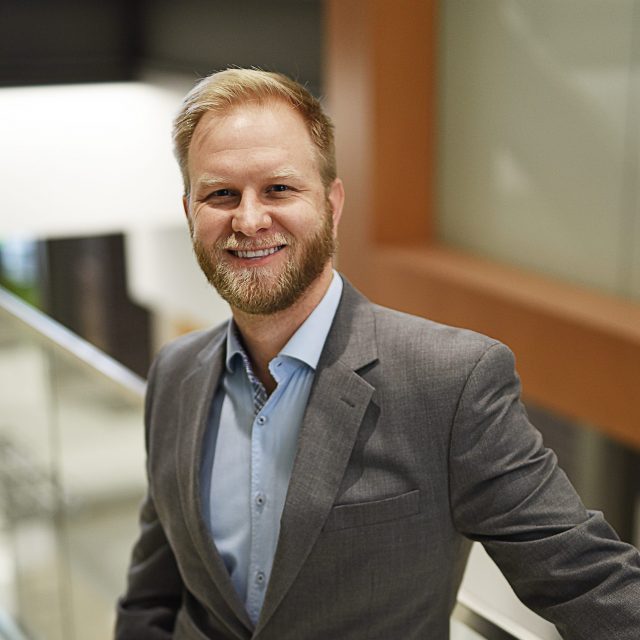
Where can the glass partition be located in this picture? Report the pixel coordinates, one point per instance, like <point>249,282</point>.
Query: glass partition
<point>539,143</point>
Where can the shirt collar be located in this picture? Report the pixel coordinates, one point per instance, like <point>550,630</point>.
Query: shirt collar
<point>235,348</point>
<point>307,342</point>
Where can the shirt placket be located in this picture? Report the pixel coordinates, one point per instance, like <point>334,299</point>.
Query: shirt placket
<point>257,578</point>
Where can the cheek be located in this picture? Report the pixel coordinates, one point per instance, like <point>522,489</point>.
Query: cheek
<point>307,221</point>
<point>208,229</point>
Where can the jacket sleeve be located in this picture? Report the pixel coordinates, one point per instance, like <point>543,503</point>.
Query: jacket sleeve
<point>153,597</point>
<point>507,492</point>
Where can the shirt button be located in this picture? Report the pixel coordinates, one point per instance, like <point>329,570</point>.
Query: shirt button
<point>261,499</point>
<point>262,420</point>
<point>260,578</point>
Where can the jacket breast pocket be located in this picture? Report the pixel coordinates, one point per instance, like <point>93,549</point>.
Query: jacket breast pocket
<point>345,516</point>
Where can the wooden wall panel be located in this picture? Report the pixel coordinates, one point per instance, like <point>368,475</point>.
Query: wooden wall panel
<point>578,351</point>
<point>349,87</point>
<point>403,57</point>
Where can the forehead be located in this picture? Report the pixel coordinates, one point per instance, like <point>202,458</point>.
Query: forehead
<point>252,128</point>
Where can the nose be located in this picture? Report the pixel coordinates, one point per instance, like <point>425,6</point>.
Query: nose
<point>250,216</point>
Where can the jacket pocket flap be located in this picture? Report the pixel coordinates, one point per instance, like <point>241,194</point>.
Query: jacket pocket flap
<point>363,513</point>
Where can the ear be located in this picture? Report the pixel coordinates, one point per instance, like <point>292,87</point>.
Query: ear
<point>185,205</point>
<point>336,200</point>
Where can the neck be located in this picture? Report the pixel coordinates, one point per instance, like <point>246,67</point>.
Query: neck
<point>265,335</point>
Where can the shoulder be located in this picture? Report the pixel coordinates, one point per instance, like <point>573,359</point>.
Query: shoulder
<point>414,346</point>
<point>415,339</point>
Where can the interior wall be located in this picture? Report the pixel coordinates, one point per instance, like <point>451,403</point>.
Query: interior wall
<point>62,41</point>
<point>197,37</point>
<point>57,41</point>
<point>578,350</point>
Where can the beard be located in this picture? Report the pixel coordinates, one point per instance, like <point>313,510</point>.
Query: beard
<point>266,290</point>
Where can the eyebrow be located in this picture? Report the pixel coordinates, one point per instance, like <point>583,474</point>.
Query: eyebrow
<point>211,181</point>
<point>283,173</point>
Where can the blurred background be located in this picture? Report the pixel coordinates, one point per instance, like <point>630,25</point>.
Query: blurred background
<point>491,156</point>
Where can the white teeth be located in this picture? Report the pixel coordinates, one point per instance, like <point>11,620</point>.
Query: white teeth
<point>259,253</point>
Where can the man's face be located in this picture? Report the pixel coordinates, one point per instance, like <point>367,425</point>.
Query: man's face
<point>262,225</point>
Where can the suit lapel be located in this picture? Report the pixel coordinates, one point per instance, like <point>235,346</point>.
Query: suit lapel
<point>337,404</point>
<point>196,394</point>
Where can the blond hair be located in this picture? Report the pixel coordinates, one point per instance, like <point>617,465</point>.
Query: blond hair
<point>221,91</point>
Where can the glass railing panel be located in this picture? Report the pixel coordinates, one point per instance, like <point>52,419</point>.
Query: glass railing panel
<point>101,474</point>
<point>71,476</point>
<point>27,480</point>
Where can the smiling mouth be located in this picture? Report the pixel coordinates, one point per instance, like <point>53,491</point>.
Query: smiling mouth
<point>257,253</point>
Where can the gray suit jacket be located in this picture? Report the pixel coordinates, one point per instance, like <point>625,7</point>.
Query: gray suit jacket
<point>414,442</point>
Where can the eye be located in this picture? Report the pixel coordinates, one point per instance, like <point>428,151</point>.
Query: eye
<point>278,188</point>
<point>221,193</point>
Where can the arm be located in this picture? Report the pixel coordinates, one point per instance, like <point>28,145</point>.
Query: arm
<point>507,492</point>
<point>154,589</point>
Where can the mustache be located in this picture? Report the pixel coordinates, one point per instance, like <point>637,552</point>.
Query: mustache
<point>234,243</point>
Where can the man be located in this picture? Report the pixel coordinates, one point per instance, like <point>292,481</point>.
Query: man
<point>318,465</point>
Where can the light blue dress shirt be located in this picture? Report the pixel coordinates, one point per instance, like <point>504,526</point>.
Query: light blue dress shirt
<point>250,447</point>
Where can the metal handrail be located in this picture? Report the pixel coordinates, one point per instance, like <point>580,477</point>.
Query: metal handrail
<point>478,623</point>
<point>53,333</point>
